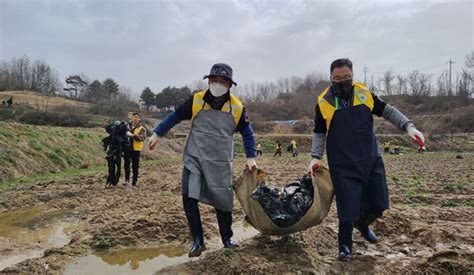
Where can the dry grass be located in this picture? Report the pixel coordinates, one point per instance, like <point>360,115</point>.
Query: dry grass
<point>40,101</point>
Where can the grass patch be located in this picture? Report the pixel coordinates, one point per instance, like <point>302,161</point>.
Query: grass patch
<point>469,203</point>
<point>451,187</point>
<point>415,196</point>
<point>36,145</point>
<point>104,243</point>
<point>39,178</point>
<point>229,252</point>
<point>69,174</point>
<point>409,193</point>
<point>416,183</point>
<point>450,203</point>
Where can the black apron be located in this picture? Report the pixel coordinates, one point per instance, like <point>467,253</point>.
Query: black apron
<point>356,167</point>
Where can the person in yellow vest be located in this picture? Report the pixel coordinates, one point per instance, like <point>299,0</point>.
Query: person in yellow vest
<point>259,149</point>
<point>344,123</point>
<point>216,115</point>
<point>294,148</point>
<point>137,135</point>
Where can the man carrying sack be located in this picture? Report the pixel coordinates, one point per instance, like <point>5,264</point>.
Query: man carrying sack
<point>207,174</point>
<point>344,123</point>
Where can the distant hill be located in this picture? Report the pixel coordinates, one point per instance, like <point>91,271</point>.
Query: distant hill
<point>40,101</point>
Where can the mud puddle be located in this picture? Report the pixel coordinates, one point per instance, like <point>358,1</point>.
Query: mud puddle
<point>127,261</point>
<point>148,260</point>
<point>27,233</point>
<point>242,231</point>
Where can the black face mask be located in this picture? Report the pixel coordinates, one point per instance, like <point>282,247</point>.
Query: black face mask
<point>342,89</point>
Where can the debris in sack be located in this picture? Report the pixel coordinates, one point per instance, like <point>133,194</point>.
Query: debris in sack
<point>285,205</point>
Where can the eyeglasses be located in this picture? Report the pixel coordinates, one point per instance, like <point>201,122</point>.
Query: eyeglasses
<point>338,78</point>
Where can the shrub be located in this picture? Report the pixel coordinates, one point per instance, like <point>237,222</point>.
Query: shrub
<point>36,117</point>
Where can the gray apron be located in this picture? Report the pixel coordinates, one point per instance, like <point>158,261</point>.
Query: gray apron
<point>208,157</point>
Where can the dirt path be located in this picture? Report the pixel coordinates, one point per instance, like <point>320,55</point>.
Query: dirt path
<point>429,227</point>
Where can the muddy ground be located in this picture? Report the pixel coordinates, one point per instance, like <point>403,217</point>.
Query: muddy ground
<point>429,228</point>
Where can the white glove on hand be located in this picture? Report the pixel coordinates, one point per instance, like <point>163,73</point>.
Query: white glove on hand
<point>153,141</point>
<point>313,165</point>
<point>251,164</point>
<point>129,134</point>
<point>416,135</point>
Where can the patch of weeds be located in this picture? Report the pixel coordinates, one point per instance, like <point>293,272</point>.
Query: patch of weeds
<point>36,145</point>
<point>469,203</point>
<point>32,134</point>
<point>395,179</point>
<point>229,252</point>
<point>8,155</point>
<point>451,187</point>
<point>72,159</point>
<point>425,197</point>
<point>450,203</point>
<point>416,183</point>
<point>55,158</point>
<point>81,135</point>
<point>418,197</point>
<point>409,193</point>
<point>104,243</point>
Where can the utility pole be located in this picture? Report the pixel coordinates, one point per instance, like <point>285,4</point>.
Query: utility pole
<point>451,62</point>
<point>365,74</point>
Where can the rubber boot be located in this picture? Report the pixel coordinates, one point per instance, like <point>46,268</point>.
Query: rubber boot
<point>224,219</point>
<point>363,226</point>
<point>345,241</point>
<point>191,209</point>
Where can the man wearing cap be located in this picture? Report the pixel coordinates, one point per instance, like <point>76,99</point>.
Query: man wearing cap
<point>344,123</point>
<point>207,174</point>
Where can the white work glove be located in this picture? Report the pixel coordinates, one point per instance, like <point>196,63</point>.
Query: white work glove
<point>129,134</point>
<point>153,141</point>
<point>314,165</point>
<point>251,164</point>
<point>416,135</point>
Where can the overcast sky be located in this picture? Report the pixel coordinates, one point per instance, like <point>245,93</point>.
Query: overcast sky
<point>162,43</point>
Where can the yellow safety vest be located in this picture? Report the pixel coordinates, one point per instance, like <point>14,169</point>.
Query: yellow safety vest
<point>362,95</point>
<point>234,105</point>
<point>293,143</point>
<point>137,145</point>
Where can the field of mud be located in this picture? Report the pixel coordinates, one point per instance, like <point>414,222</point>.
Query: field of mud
<point>76,226</point>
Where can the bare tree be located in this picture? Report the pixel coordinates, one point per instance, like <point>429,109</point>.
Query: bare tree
<point>402,88</point>
<point>464,84</point>
<point>43,78</point>
<point>419,83</point>
<point>22,74</point>
<point>442,83</point>
<point>21,69</point>
<point>469,62</point>
<point>386,82</point>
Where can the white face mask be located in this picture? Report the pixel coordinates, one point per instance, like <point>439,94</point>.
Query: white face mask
<point>217,89</point>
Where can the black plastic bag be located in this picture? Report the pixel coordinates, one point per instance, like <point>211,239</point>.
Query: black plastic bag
<point>285,206</point>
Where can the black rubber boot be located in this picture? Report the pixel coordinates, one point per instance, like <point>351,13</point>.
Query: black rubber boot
<point>224,219</point>
<point>191,209</point>
<point>345,241</point>
<point>363,226</point>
